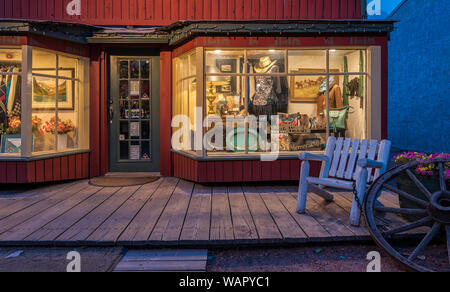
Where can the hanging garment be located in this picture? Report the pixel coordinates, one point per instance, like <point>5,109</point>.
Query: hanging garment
<point>267,88</point>
<point>335,99</point>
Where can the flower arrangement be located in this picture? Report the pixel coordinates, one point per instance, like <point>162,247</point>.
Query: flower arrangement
<point>14,126</point>
<point>63,127</point>
<point>36,126</point>
<point>427,167</point>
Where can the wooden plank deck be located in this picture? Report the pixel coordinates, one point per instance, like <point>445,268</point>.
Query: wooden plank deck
<point>173,212</point>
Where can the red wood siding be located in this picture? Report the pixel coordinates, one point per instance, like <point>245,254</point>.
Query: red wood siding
<point>99,143</point>
<point>164,12</point>
<point>238,171</point>
<point>166,113</point>
<point>48,170</point>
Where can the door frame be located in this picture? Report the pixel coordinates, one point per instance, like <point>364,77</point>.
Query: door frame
<point>113,130</point>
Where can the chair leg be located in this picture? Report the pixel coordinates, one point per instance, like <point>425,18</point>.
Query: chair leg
<point>303,188</point>
<point>361,183</point>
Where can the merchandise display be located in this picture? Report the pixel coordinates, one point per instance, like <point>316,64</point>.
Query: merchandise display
<point>260,84</point>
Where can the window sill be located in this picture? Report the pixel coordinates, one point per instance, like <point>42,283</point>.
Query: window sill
<point>42,156</point>
<point>237,157</point>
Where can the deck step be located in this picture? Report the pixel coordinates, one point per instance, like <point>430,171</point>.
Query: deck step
<point>163,261</point>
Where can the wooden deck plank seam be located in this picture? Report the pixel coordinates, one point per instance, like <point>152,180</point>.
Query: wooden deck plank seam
<point>231,214</point>
<point>273,218</point>
<point>317,219</point>
<point>292,216</point>
<point>140,209</point>
<point>162,212</point>
<point>250,212</point>
<point>44,197</point>
<point>110,214</point>
<point>89,196</point>
<point>40,211</point>
<point>186,213</point>
<point>81,217</point>
<point>307,214</point>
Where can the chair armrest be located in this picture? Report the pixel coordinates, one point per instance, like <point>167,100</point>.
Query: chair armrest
<point>310,156</point>
<point>368,163</point>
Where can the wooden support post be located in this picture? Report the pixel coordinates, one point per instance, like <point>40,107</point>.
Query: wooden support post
<point>361,179</point>
<point>303,187</point>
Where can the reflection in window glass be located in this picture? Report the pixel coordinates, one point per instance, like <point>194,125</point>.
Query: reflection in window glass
<point>224,62</point>
<point>307,61</point>
<point>185,95</point>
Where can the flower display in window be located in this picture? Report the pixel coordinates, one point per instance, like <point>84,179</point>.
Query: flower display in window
<point>427,167</point>
<point>36,126</point>
<point>14,126</point>
<point>62,127</point>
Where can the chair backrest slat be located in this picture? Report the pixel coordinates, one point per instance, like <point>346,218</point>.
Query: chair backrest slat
<point>362,154</point>
<point>383,156</point>
<point>336,156</point>
<point>352,159</point>
<point>344,158</point>
<point>329,150</point>
<point>372,152</point>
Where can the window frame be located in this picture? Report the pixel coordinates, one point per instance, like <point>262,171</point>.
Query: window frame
<point>203,154</point>
<point>81,87</point>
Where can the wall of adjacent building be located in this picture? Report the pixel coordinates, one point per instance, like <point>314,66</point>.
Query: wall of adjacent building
<point>419,77</point>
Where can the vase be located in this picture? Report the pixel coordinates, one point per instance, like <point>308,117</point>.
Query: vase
<point>405,184</point>
<point>62,141</point>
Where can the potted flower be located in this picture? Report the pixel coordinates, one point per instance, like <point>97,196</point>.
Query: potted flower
<point>36,123</point>
<point>427,172</point>
<point>14,126</point>
<point>61,129</point>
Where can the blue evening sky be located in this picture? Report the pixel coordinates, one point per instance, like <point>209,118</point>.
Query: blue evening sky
<point>387,6</point>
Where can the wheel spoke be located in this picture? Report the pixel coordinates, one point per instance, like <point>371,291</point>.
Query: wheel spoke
<point>448,241</point>
<point>427,239</point>
<point>407,196</point>
<point>442,177</point>
<point>419,184</point>
<point>401,211</point>
<point>410,226</point>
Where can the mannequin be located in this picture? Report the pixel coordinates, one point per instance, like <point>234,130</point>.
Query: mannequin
<point>267,88</point>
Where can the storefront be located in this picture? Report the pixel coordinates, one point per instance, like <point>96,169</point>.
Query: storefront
<point>194,99</point>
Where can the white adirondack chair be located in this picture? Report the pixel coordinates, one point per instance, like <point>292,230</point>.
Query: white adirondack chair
<point>344,162</point>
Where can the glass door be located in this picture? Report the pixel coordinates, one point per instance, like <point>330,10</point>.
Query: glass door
<point>134,114</point>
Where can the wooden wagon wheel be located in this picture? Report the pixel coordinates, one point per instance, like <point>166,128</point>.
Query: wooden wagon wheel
<point>434,212</point>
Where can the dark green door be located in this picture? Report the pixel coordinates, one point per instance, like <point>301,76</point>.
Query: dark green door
<point>134,114</point>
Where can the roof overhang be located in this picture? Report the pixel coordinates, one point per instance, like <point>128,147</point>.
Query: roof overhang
<point>182,31</point>
<point>73,32</point>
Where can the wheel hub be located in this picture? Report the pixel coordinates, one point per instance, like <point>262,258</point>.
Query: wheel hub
<point>440,207</point>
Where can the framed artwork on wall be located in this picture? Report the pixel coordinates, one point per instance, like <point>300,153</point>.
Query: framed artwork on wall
<point>12,144</point>
<point>45,89</point>
<point>306,88</point>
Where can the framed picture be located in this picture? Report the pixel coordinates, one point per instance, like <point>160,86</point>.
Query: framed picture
<point>12,144</point>
<point>306,88</point>
<point>45,88</point>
